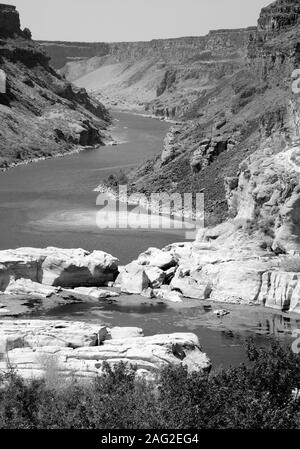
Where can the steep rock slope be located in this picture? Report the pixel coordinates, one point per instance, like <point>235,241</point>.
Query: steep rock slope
<point>132,75</point>
<point>231,90</point>
<point>254,256</point>
<point>246,111</point>
<point>40,114</point>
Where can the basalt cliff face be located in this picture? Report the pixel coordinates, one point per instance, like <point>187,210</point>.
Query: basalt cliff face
<point>9,21</point>
<point>160,76</point>
<point>279,15</point>
<point>235,120</point>
<point>41,115</point>
<point>244,153</point>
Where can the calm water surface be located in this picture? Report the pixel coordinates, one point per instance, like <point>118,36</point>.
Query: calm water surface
<point>223,339</point>
<point>52,203</point>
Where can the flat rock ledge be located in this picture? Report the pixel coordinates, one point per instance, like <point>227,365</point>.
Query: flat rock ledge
<point>38,348</point>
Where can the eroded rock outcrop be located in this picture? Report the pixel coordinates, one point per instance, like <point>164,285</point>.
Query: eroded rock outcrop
<point>35,348</point>
<point>9,21</point>
<point>279,15</point>
<point>40,333</point>
<point>226,265</point>
<point>281,290</point>
<point>57,267</point>
<point>41,115</point>
<point>151,270</point>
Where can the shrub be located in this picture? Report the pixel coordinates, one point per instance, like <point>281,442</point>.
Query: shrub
<point>258,396</point>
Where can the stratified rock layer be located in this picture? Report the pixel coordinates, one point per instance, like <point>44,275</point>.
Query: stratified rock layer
<point>41,115</point>
<point>280,14</point>
<point>68,349</point>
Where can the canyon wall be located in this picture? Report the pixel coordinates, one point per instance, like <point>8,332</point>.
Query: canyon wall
<point>279,15</point>
<point>41,115</point>
<point>166,49</point>
<point>231,91</point>
<point>131,75</point>
<point>9,21</point>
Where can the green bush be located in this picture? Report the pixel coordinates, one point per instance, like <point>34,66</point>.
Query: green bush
<point>256,396</point>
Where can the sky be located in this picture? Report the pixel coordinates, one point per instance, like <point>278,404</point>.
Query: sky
<point>133,20</point>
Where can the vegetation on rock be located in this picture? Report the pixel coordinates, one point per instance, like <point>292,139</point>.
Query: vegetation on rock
<point>263,395</point>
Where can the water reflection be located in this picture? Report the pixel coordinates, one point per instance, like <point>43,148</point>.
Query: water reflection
<point>224,339</point>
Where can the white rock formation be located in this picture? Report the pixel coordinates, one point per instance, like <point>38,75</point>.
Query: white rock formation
<point>117,333</point>
<point>27,287</point>
<point>156,276</point>
<point>57,267</point>
<point>281,290</point>
<point>94,293</point>
<point>133,279</point>
<point>189,286</point>
<point>80,349</point>
<point>223,265</point>
<point>155,257</point>
<point>166,293</point>
<point>39,333</point>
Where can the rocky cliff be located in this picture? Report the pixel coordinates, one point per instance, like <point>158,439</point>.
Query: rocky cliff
<point>9,21</point>
<point>132,75</point>
<point>41,115</point>
<point>236,94</point>
<point>279,15</point>
<point>243,152</point>
<point>232,117</point>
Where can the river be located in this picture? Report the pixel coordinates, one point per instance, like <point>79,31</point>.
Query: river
<point>53,203</point>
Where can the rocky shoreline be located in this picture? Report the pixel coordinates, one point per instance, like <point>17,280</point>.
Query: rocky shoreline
<point>37,349</point>
<point>76,150</point>
<point>139,200</point>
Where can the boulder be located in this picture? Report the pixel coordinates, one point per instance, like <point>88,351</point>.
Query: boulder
<point>94,293</point>
<point>169,274</point>
<point>38,348</point>
<point>118,280</point>
<point>155,257</point>
<point>134,279</point>
<point>189,286</point>
<point>74,268</point>
<point>125,332</point>
<point>27,287</point>
<point>167,294</point>
<point>57,267</point>
<point>156,276</point>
